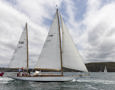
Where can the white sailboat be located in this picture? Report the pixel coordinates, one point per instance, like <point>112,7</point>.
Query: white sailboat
<point>57,52</point>
<point>105,69</point>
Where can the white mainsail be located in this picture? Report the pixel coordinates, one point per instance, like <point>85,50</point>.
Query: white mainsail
<point>70,55</point>
<point>19,58</point>
<point>50,54</point>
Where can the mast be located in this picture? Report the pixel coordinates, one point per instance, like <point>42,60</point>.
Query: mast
<point>60,43</point>
<point>27,46</point>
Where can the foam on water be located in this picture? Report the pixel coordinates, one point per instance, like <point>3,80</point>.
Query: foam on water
<point>91,87</point>
<point>5,79</point>
<point>74,80</point>
<point>96,81</point>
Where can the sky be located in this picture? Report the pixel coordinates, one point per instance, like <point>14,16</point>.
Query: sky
<point>91,24</point>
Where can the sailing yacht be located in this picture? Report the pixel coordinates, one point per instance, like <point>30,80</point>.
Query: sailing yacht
<point>58,52</point>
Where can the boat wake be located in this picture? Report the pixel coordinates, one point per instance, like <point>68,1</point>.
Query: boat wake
<point>5,79</point>
<point>91,87</point>
<point>96,81</point>
<point>74,80</point>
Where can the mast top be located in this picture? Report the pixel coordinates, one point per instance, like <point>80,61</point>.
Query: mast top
<point>26,24</point>
<point>56,7</point>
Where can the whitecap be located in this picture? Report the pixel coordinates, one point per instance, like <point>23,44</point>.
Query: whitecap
<point>91,87</point>
<point>97,81</point>
<point>5,79</point>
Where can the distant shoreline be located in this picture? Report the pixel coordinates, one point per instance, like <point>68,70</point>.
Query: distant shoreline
<point>92,67</point>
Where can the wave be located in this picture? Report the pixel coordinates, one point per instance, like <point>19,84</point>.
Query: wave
<point>5,79</point>
<point>91,87</point>
<point>96,81</point>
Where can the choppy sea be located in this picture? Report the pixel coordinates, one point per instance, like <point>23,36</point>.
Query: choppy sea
<point>95,81</point>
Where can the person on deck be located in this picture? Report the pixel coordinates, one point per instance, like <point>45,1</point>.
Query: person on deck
<point>29,71</point>
<point>19,71</point>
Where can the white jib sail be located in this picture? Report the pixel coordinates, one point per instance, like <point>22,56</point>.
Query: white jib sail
<point>70,55</point>
<point>50,54</point>
<point>19,58</point>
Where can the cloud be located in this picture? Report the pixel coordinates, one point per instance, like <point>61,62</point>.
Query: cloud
<point>36,10</point>
<point>99,37</point>
<point>11,26</point>
<point>91,24</point>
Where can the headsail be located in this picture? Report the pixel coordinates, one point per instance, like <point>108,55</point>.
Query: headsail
<point>70,55</point>
<point>19,58</point>
<point>50,54</point>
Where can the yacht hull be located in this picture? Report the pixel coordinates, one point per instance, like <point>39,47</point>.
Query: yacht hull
<point>45,79</point>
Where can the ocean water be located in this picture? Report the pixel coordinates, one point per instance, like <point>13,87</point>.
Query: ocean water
<point>95,81</point>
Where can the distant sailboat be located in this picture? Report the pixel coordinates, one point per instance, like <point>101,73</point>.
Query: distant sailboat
<point>105,69</point>
<point>57,52</point>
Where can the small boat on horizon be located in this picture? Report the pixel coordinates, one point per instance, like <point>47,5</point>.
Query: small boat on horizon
<point>105,69</point>
<point>58,51</point>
